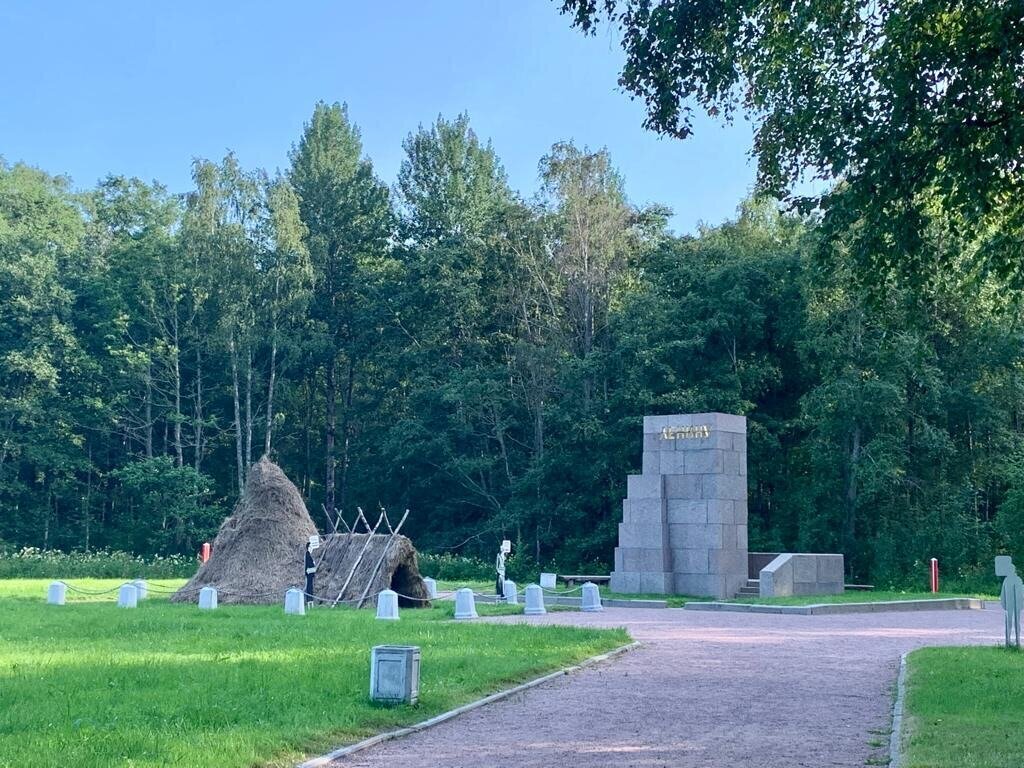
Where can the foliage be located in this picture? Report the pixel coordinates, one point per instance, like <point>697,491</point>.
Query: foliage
<point>915,106</point>
<point>127,696</point>
<point>32,563</point>
<point>451,567</point>
<point>485,361</point>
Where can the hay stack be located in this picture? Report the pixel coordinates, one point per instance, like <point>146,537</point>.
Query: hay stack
<point>399,569</point>
<point>259,549</point>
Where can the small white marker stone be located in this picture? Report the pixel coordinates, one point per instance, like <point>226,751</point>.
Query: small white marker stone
<point>534,601</point>
<point>547,580</point>
<point>295,602</point>
<point>511,592</point>
<point>56,593</point>
<point>431,585</point>
<point>208,599</point>
<point>141,588</point>
<point>591,598</point>
<point>127,596</point>
<point>465,604</point>
<point>387,605</point>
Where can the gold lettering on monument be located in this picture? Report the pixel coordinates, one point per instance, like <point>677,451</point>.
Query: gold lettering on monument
<point>686,433</point>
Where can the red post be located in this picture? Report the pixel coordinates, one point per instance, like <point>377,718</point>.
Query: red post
<point>204,555</point>
<point>935,574</point>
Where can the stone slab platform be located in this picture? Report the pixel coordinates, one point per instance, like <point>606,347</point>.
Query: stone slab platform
<point>832,609</point>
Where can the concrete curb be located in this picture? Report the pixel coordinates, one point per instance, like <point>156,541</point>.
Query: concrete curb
<point>896,738</point>
<point>323,761</point>
<point>822,609</point>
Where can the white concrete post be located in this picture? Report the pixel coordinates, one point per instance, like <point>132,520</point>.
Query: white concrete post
<point>387,605</point>
<point>57,592</point>
<point>295,602</point>
<point>465,604</point>
<point>127,596</point>
<point>511,592</point>
<point>208,599</point>
<point>591,600</point>
<point>140,587</point>
<point>431,587</point>
<point>534,601</point>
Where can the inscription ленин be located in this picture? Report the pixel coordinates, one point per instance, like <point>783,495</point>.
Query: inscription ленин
<point>686,433</point>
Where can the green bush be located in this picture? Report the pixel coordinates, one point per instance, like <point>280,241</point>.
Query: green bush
<point>449,567</point>
<point>32,563</point>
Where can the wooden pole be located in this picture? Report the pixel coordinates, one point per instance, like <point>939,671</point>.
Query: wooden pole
<point>383,554</point>
<point>355,565</point>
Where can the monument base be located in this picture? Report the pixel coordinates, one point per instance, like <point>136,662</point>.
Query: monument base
<point>684,518</point>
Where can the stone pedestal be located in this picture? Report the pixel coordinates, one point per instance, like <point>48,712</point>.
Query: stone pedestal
<point>684,520</point>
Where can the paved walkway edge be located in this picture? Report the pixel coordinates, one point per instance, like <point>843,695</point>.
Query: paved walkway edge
<point>896,738</point>
<point>325,760</point>
<point>819,609</point>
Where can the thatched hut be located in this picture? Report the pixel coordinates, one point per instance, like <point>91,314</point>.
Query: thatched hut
<point>259,550</point>
<point>360,565</point>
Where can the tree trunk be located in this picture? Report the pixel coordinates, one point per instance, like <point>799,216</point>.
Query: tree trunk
<point>87,501</point>
<point>149,409</point>
<point>332,430</point>
<point>270,390</point>
<point>248,407</point>
<point>198,426</point>
<point>238,416</point>
<point>178,452</point>
<point>850,523</point>
<point>349,388</point>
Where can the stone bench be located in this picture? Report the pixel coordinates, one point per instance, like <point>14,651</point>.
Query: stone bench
<point>571,581</point>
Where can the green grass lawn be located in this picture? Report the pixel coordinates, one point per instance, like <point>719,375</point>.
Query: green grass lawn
<point>964,708</point>
<point>92,686</point>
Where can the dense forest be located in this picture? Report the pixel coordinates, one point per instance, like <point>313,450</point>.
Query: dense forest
<point>485,360</point>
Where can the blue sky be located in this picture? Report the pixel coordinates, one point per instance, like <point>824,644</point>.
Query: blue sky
<point>140,89</point>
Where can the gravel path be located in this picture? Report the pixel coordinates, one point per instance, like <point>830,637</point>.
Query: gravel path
<point>706,689</point>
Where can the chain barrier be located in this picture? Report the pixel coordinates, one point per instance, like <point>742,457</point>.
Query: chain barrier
<point>310,598</point>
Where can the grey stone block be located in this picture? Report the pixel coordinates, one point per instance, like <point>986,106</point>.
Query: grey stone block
<point>805,569</point>
<point>739,442</point>
<point>618,559</point>
<point>643,486</point>
<point>654,424</point>
<point>651,463</point>
<point>731,462</point>
<point>742,458</point>
<point>729,536</point>
<point>741,537</point>
<point>831,569</point>
<point>686,512</point>
<point>723,487</point>
<point>721,511</point>
<point>690,560</point>
<point>704,462</point>
<point>674,463</point>
<point>625,582</point>
<point>695,536</point>
<point>657,583</point>
<point>726,422</point>
<point>701,585</point>
<point>640,536</point>
<point>655,442</point>
<point>739,511</point>
<point>683,486</point>
<point>645,511</point>
<point>728,561</point>
<point>650,560</point>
